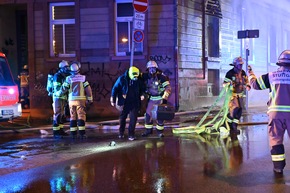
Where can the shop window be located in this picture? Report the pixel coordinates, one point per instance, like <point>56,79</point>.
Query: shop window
<point>124,28</point>
<point>62,29</point>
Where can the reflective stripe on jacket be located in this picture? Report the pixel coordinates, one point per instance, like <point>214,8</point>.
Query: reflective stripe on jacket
<point>78,88</point>
<point>279,84</point>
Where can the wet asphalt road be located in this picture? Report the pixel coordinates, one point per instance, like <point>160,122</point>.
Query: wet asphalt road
<point>184,163</point>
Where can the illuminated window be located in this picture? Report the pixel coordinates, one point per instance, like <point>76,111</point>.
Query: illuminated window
<point>124,26</point>
<point>62,29</point>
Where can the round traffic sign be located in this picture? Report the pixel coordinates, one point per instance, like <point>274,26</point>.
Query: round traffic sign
<point>138,36</point>
<point>140,5</point>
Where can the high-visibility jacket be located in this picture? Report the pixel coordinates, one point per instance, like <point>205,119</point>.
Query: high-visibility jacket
<point>23,76</point>
<point>157,86</point>
<point>278,82</point>
<point>238,80</point>
<point>78,88</point>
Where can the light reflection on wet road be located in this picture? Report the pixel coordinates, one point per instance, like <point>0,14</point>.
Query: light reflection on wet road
<point>178,163</point>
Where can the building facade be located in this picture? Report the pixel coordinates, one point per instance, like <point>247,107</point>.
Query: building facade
<point>193,42</point>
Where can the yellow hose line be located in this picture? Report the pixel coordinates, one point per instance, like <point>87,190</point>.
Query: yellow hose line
<point>205,128</point>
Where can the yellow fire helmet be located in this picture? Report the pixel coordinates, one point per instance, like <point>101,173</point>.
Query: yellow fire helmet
<point>133,73</point>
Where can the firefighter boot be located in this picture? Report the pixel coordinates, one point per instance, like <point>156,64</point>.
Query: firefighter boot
<point>73,134</point>
<point>56,134</point>
<point>234,129</point>
<point>62,132</point>
<point>82,134</point>
<point>160,133</point>
<point>147,133</point>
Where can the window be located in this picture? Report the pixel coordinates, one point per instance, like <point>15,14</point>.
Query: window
<point>124,29</point>
<point>62,29</point>
<point>213,36</point>
<point>5,75</point>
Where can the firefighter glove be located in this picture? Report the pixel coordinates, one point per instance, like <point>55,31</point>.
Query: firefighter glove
<point>250,71</point>
<point>164,101</point>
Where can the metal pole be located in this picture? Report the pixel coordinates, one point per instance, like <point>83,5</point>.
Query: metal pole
<point>247,59</point>
<point>132,50</point>
<point>133,43</point>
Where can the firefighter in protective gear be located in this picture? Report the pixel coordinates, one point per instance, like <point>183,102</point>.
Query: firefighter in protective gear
<point>127,92</point>
<point>239,81</point>
<point>24,87</point>
<point>59,101</point>
<point>79,94</point>
<point>278,83</point>
<point>158,89</point>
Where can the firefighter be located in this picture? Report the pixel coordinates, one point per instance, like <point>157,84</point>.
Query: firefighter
<point>24,87</point>
<point>79,95</point>
<point>278,83</point>
<point>127,92</point>
<point>158,89</point>
<point>239,80</point>
<point>60,101</point>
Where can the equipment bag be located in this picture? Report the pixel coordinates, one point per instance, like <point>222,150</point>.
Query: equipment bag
<point>163,112</point>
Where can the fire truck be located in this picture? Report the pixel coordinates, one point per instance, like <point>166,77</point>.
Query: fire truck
<point>10,107</point>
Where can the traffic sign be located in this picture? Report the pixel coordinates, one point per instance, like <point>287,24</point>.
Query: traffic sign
<point>138,36</point>
<point>139,16</point>
<point>140,5</point>
<point>139,24</point>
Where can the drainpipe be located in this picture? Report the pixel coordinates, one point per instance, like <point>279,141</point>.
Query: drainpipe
<point>176,57</point>
<point>204,58</point>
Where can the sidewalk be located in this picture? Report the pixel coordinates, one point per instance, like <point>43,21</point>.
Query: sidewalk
<point>254,115</point>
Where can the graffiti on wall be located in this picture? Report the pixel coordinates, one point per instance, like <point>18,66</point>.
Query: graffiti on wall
<point>100,76</point>
<point>160,59</point>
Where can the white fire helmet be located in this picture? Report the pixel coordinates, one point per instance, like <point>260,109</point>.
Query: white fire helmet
<point>75,67</point>
<point>63,64</point>
<point>152,64</point>
<point>284,58</point>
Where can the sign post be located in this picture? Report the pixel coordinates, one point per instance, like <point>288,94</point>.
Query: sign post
<point>140,6</point>
<point>248,34</point>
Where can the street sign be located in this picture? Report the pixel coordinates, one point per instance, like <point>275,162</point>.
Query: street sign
<point>140,5</point>
<point>139,24</point>
<point>248,34</point>
<point>139,16</point>
<point>138,36</point>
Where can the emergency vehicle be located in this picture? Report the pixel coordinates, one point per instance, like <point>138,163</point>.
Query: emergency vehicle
<point>10,107</point>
